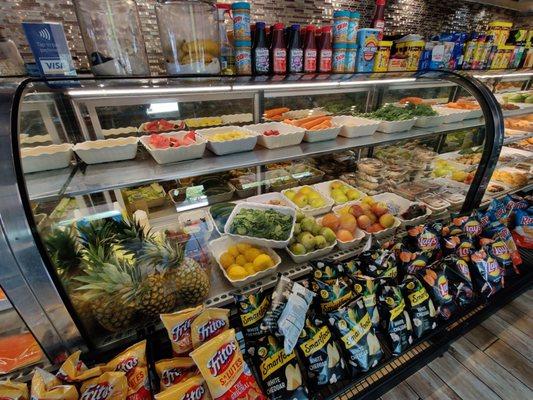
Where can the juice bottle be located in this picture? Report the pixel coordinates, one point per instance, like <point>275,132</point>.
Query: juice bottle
<point>325,53</point>
<point>260,53</point>
<point>294,52</point>
<point>378,21</point>
<point>310,53</point>
<point>278,52</point>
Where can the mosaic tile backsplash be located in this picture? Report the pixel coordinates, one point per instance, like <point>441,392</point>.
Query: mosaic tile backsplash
<point>402,17</point>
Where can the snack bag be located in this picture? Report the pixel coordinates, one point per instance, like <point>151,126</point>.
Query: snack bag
<point>108,386</point>
<point>208,324</point>
<point>435,278</point>
<point>425,239</point>
<point>178,327</point>
<point>222,365</point>
<point>378,263</point>
<point>395,319</point>
<point>467,224</point>
<point>353,325</point>
<point>325,270</point>
<point>459,280</point>
<point>498,249</point>
<point>497,230</point>
<point>46,386</point>
<point>488,273</point>
<point>10,390</point>
<point>193,388</point>
<point>331,297</point>
<point>175,370</point>
<point>513,202</point>
<point>252,309</point>
<point>75,370</point>
<point>523,231</point>
<point>461,245</point>
<point>412,261</point>
<point>279,371</point>
<point>320,353</point>
<point>367,288</point>
<point>421,307</point>
<point>132,362</point>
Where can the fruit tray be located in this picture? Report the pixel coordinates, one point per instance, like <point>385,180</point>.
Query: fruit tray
<point>44,158</point>
<point>220,245</point>
<point>352,127</point>
<point>175,154</point>
<point>229,146</point>
<point>289,135</point>
<point>176,126</point>
<point>396,126</point>
<point>302,258</point>
<point>324,189</point>
<point>277,244</point>
<point>430,121</point>
<point>398,204</point>
<point>359,236</point>
<point>308,210</point>
<point>321,135</point>
<point>242,118</point>
<point>305,174</point>
<point>274,196</point>
<point>107,150</point>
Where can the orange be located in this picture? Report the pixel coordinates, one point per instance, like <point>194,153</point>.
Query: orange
<point>331,221</point>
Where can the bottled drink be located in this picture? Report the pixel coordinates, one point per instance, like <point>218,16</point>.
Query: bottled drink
<point>310,53</point>
<point>325,53</point>
<point>378,21</point>
<point>227,60</point>
<point>260,53</point>
<point>295,52</point>
<point>278,52</point>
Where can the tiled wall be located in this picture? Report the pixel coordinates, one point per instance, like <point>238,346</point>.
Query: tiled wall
<point>402,16</point>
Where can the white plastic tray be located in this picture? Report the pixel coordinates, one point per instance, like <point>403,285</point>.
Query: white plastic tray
<point>242,118</point>
<point>177,125</point>
<point>128,130</point>
<point>311,255</point>
<point>359,236</point>
<point>322,135</point>
<point>175,154</point>
<point>277,244</point>
<point>220,245</point>
<point>451,115</point>
<point>354,126</point>
<point>304,113</point>
<point>402,205</point>
<point>396,126</point>
<point>427,122</point>
<point>107,150</point>
<point>289,135</point>
<point>265,198</point>
<point>324,189</point>
<point>44,158</point>
<point>230,146</point>
<point>307,209</point>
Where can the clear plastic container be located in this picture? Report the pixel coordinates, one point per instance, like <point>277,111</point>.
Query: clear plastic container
<point>111,32</point>
<point>11,62</point>
<point>189,36</point>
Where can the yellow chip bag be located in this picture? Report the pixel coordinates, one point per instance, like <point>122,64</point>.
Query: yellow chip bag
<point>75,370</point>
<point>108,386</point>
<point>191,389</point>
<point>175,370</point>
<point>178,326</point>
<point>132,362</point>
<point>10,390</point>
<point>222,365</point>
<point>208,324</point>
<point>46,386</point>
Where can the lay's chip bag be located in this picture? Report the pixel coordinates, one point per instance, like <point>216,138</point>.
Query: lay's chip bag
<point>208,324</point>
<point>75,370</point>
<point>487,273</point>
<point>46,386</point>
<point>175,370</point>
<point>108,386</point>
<point>10,390</point>
<point>178,327</point>
<point>132,362</point>
<point>222,365</point>
<point>193,388</point>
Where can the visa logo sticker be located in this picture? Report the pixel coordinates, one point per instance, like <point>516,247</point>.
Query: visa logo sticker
<point>52,67</point>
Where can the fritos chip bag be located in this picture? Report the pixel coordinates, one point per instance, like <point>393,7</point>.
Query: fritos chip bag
<point>108,386</point>
<point>10,390</point>
<point>46,386</point>
<point>175,370</point>
<point>208,324</point>
<point>222,365</point>
<point>132,362</point>
<point>193,388</point>
<point>75,370</point>
<point>252,309</point>
<point>178,326</point>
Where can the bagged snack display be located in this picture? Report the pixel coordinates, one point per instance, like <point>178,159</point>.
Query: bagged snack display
<point>332,296</point>
<point>460,245</point>
<point>435,278</point>
<point>46,386</point>
<point>489,275</point>
<point>523,231</point>
<point>367,288</point>
<point>497,230</point>
<point>459,280</point>
<point>326,271</point>
<point>252,309</point>
<point>425,239</point>
<point>208,324</point>
<point>395,319</point>
<point>421,308</point>
<point>320,354</point>
<point>353,325</point>
<point>378,263</point>
<point>279,371</point>
<point>178,327</point>
<point>10,390</point>
<point>108,386</point>
<point>74,370</point>
<point>411,261</point>
<point>193,388</point>
<point>175,370</point>
<point>513,202</point>
<point>222,365</point>
<point>132,362</point>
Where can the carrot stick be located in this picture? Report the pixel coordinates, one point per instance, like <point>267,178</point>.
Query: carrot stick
<point>301,121</point>
<point>323,125</point>
<point>317,121</point>
<point>275,111</point>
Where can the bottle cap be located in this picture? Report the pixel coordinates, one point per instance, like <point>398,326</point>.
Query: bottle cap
<point>260,25</point>
<point>240,4</point>
<point>295,26</point>
<point>310,28</point>
<point>326,29</point>
<point>278,26</point>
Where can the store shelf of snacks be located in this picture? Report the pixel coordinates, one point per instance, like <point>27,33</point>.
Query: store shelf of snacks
<point>143,169</point>
<point>47,185</point>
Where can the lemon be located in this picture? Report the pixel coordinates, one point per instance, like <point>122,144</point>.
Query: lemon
<point>233,250</point>
<point>240,260</point>
<point>243,247</point>
<point>249,267</point>
<point>262,262</point>
<point>236,272</point>
<point>251,254</point>
<point>226,259</point>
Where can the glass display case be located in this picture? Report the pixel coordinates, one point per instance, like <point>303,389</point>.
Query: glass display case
<point>131,210</point>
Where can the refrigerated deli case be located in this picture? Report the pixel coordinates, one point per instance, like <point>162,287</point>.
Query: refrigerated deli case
<point>147,171</point>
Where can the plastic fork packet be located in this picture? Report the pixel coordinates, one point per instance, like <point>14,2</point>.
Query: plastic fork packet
<point>193,388</point>
<point>108,386</point>
<point>208,324</point>
<point>488,274</point>
<point>11,390</point>
<point>74,370</point>
<point>132,362</point>
<point>46,386</point>
<point>395,319</point>
<point>226,374</point>
<point>420,305</point>
<point>252,309</point>
<point>178,327</point>
<point>172,371</point>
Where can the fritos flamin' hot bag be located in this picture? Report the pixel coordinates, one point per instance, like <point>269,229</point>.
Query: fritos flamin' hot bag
<point>46,386</point>
<point>192,389</point>
<point>210,322</point>
<point>13,390</point>
<point>222,365</point>
<point>132,362</point>
<point>108,386</point>
<point>178,326</point>
<point>75,370</point>
<point>175,370</point>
